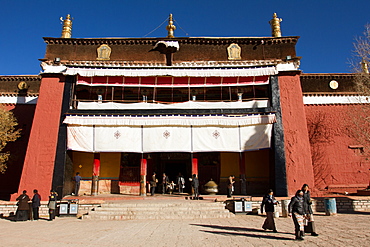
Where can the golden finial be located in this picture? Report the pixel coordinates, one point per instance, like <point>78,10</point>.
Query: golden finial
<point>364,66</point>
<point>275,26</point>
<point>170,27</point>
<point>67,27</point>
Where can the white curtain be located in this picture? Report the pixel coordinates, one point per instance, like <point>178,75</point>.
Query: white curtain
<point>255,137</point>
<point>168,138</point>
<point>216,139</point>
<point>117,138</point>
<point>80,138</point>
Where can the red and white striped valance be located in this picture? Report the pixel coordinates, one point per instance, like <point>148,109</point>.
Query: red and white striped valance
<point>161,81</point>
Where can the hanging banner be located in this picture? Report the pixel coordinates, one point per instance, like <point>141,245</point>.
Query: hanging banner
<point>80,138</point>
<point>117,138</point>
<point>255,137</point>
<point>215,139</point>
<point>167,139</point>
<point>167,134</point>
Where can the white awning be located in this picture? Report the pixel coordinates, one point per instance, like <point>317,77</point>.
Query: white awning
<point>179,72</point>
<point>173,120</point>
<point>335,99</point>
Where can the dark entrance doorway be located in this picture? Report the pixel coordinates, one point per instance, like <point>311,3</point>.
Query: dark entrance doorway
<point>174,163</point>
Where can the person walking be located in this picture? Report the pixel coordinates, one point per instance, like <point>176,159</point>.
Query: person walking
<point>52,205</point>
<point>77,180</point>
<point>165,181</point>
<point>297,211</point>
<point>195,186</point>
<point>230,185</point>
<point>36,203</point>
<point>310,228</point>
<point>180,183</point>
<point>153,184</point>
<point>269,202</point>
<point>23,207</point>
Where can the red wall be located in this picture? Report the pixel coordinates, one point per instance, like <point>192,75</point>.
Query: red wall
<point>39,162</point>
<point>330,132</point>
<point>297,147</point>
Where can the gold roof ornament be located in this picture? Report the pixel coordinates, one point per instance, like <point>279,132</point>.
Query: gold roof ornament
<point>364,67</point>
<point>275,26</point>
<point>170,27</point>
<point>67,27</point>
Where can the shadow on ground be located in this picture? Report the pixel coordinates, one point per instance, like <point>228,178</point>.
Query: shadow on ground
<point>243,231</point>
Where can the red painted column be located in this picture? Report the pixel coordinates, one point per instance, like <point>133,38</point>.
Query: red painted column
<point>38,165</point>
<point>143,168</point>
<point>95,175</point>
<point>299,168</point>
<point>194,164</point>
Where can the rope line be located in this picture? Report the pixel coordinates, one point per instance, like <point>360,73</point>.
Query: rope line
<point>156,27</point>
<point>181,28</point>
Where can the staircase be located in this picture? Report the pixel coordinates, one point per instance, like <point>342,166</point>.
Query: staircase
<point>144,210</point>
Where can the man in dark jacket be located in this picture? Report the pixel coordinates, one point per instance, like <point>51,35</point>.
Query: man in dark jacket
<point>195,185</point>
<point>36,203</point>
<point>297,211</point>
<point>77,180</point>
<point>165,181</point>
<point>23,207</point>
<point>153,184</point>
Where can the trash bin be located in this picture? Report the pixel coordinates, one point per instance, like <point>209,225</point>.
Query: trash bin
<point>68,207</point>
<point>63,208</point>
<point>73,207</point>
<point>238,207</point>
<point>330,206</point>
<point>248,207</point>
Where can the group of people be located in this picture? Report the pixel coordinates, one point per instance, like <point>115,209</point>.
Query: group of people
<point>299,209</point>
<point>168,186</point>
<point>23,204</point>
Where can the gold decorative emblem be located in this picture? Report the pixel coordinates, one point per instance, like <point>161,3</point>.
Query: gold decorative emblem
<point>67,27</point>
<point>234,52</point>
<point>275,26</point>
<point>104,52</point>
<point>22,85</point>
<point>333,84</point>
<point>170,27</point>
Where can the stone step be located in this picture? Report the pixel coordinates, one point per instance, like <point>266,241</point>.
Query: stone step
<point>149,207</point>
<point>198,212</point>
<point>154,216</point>
<point>159,210</point>
<point>163,205</point>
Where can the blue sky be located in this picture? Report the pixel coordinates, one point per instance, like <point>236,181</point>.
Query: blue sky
<point>326,28</point>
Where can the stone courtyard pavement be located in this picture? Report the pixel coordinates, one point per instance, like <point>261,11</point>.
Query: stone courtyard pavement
<point>242,230</point>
